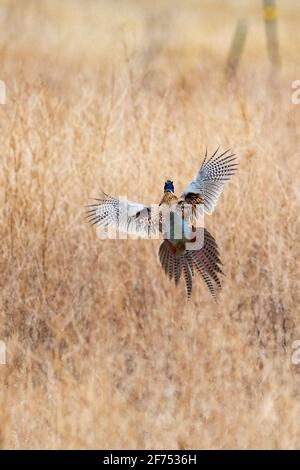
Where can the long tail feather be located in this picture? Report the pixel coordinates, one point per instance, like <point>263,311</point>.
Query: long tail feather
<point>205,261</point>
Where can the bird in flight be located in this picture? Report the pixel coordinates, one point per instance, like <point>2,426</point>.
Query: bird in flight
<point>188,247</point>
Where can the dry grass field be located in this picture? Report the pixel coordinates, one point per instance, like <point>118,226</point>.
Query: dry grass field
<point>102,350</point>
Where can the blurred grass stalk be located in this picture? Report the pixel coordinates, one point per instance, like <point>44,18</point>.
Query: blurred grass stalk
<point>270,17</point>
<point>237,47</point>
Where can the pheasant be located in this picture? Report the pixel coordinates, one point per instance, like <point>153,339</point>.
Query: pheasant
<point>188,247</point>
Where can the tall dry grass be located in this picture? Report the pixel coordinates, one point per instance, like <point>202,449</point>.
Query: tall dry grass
<point>102,351</point>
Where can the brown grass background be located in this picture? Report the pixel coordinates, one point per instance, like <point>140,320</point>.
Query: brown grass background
<point>102,351</point>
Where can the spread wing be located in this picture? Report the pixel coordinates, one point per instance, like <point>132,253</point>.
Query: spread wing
<point>207,185</point>
<point>125,216</point>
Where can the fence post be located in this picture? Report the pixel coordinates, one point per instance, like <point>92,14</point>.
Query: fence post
<point>270,17</point>
<point>236,48</point>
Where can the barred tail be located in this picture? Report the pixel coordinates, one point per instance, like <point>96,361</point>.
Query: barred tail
<point>205,261</point>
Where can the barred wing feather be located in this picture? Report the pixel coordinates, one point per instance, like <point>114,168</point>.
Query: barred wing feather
<point>209,181</point>
<point>125,216</point>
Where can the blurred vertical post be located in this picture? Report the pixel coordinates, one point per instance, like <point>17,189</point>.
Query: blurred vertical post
<point>237,46</point>
<point>270,17</point>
